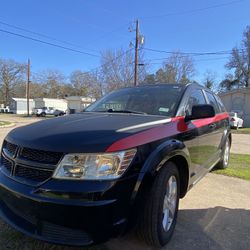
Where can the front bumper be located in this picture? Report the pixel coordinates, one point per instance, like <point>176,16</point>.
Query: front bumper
<point>57,213</point>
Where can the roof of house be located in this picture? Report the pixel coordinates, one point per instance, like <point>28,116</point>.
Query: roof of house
<point>21,99</point>
<point>235,91</point>
<point>80,98</point>
<point>50,99</point>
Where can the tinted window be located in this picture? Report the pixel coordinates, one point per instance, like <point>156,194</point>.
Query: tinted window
<point>155,100</point>
<point>212,101</point>
<point>195,98</point>
<point>220,103</point>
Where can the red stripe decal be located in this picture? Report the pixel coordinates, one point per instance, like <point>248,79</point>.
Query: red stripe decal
<point>176,126</point>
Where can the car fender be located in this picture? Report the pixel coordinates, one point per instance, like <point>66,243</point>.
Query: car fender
<point>158,158</point>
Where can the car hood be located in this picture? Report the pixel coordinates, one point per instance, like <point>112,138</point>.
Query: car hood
<point>85,132</point>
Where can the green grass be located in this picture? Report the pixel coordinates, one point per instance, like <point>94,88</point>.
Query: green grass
<point>239,166</point>
<point>4,123</point>
<point>241,131</point>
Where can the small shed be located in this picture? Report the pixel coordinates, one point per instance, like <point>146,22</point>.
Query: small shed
<point>60,104</point>
<point>78,103</point>
<point>238,100</point>
<point>19,105</point>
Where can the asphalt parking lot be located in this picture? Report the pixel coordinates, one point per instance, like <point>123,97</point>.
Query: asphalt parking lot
<point>215,215</point>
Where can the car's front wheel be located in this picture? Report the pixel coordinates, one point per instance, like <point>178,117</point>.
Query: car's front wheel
<point>158,220</point>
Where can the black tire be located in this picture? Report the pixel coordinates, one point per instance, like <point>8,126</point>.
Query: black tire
<point>150,225</point>
<point>223,163</point>
<point>43,114</point>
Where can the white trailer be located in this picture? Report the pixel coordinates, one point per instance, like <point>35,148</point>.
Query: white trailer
<point>60,104</point>
<point>19,105</point>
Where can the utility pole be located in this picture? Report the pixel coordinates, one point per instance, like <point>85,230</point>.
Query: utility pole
<point>136,53</point>
<point>28,89</point>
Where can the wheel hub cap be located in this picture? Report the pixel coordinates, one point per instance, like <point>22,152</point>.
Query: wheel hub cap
<point>169,204</point>
<point>226,154</point>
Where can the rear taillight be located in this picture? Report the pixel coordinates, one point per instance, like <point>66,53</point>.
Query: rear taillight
<point>232,120</point>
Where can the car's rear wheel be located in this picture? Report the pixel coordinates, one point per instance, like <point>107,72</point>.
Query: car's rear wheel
<point>224,162</point>
<point>158,219</point>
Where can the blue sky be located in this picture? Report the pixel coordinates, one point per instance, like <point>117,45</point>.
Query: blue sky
<point>96,25</point>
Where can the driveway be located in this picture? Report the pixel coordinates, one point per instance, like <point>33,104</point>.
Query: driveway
<point>241,144</point>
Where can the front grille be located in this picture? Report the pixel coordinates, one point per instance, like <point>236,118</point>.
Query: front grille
<point>26,165</point>
<point>6,165</point>
<point>10,148</point>
<point>40,156</point>
<point>32,174</point>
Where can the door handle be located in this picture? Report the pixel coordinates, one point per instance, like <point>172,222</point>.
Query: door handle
<point>212,126</point>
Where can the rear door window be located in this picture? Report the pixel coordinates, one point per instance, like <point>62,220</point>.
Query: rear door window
<point>212,101</point>
<point>220,104</point>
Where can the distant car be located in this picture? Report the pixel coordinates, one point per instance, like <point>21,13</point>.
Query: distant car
<point>5,110</point>
<point>235,120</point>
<point>48,111</point>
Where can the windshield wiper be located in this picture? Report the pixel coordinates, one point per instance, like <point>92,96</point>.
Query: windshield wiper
<point>125,111</point>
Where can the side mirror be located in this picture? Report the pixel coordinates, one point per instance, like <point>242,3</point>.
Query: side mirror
<point>200,112</point>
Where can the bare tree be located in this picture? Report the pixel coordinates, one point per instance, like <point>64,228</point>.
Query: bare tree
<point>86,83</point>
<point>229,83</point>
<point>117,69</point>
<point>240,61</point>
<point>52,82</point>
<point>177,68</point>
<point>209,79</point>
<point>11,76</point>
<point>80,82</point>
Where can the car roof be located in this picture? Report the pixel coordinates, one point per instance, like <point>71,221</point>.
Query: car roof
<point>163,84</point>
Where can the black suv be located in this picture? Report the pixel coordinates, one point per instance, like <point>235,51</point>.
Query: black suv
<point>83,178</point>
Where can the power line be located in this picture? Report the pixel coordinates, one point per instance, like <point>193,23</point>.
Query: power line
<point>224,52</point>
<point>62,41</point>
<point>48,43</point>
<point>194,10</point>
<point>199,60</point>
<point>66,48</point>
<point>44,36</point>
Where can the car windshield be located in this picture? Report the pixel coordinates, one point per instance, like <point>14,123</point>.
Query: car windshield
<point>152,100</point>
<point>232,114</point>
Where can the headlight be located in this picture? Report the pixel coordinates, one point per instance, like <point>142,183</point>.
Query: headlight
<point>94,166</point>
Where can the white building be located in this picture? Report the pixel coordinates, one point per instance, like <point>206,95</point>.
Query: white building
<point>60,104</point>
<point>19,105</point>
<point>78,103</point>
<point>238,100</point>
